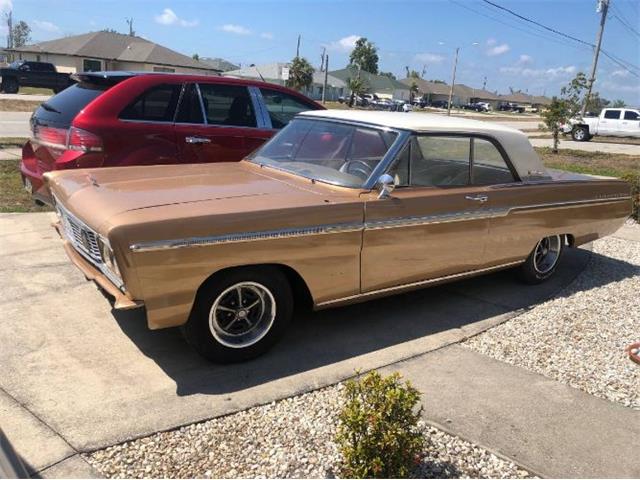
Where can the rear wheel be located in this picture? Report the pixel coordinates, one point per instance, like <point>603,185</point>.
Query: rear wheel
<point>580,134</point>
<point>543,260</point>
<point>240,315</point>
<point>10,85</point>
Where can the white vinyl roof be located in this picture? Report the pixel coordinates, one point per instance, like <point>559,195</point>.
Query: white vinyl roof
<point>515,143</point>
<point>414,121</point>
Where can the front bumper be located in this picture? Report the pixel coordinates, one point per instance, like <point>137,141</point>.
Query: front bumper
<point>122,300</point>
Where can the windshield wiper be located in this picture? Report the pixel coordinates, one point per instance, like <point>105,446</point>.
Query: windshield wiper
<point>49,108</point>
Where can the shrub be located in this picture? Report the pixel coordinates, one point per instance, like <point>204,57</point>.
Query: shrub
<point>634,181</point>
<point>379,435</point>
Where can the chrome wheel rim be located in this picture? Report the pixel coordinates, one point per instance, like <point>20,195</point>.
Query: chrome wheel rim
<point>546,254</point>
<point>579,134</point>
<point>242,314</point>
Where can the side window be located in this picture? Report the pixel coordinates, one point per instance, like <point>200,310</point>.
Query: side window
<point>89,65</point>
<point>439,161</point>
<point>227,105</point>
<point>190,110</point>
<point>158,104</point>
<point>629,115</point>
<point>612,114</point>
<point>282,107</point>
<point>489,166</point>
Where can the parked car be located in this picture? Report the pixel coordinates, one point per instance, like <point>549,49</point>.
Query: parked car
<point>32,74</point>
<point>339,207</point>
<point>510,107</point>
<point>113,119</point>
<point>383,104</point>
<point>483,106</point>
<point>440,104</point>
<point>615,122</point>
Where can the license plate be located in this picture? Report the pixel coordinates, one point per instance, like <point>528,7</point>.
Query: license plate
<point>28,186</point>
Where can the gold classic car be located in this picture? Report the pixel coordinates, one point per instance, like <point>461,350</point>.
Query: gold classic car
<point>338,207</point>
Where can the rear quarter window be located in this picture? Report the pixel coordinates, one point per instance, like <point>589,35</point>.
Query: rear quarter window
<point>158,104</point>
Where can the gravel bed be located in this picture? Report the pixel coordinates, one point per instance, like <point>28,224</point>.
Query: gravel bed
<point>579,337</point>
<point>292,438</point>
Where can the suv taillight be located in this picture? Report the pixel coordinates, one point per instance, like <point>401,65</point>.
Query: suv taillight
<point>51,137</point>
<point>83,141</point>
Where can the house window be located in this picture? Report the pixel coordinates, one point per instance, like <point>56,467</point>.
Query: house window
<point>91,65</point>
<point>37,58</point>
<point>164,69</point>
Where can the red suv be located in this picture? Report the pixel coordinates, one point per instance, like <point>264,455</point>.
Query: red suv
<point>123,118</point>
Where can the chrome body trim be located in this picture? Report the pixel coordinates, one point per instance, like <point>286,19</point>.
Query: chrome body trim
<point>352,227</point>
<point>421,283</point>
<point>246,237</point>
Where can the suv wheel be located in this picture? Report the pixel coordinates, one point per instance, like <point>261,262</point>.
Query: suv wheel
<point>10,85</point>
<point>543,260</point>
<point>580,134</point>
<point>240,315</point>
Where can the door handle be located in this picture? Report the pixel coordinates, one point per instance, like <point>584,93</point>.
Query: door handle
<point>197,140</point>
<point>477,198</point>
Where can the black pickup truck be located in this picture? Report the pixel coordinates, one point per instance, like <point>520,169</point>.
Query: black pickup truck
<point>32,74</point>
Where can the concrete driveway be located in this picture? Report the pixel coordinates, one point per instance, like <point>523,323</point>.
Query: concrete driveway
<point>78,375</point>
<point>14,124</point>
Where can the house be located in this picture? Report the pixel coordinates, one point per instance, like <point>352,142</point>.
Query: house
<point>526,100</point>
<point>380,85</point>
<point>219,64</point>
<point>473,95</point>
<point>98,51</point>
<point>278,73</point>
<point>432,91</point>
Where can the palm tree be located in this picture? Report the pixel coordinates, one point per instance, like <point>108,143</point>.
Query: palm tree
<point>300,74</point>
<point>413,90</point>
<point>357,87</point>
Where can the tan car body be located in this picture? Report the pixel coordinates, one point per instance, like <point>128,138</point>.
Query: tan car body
<point>173,227</point>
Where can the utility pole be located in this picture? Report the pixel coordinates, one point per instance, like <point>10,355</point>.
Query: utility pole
<point>9,16</point>
<point>130,23</point>
<point>603,8</point>
<point>424,70</point>
<point>324,50</point>
<point>326,73</point>
<point>453,81</point>
<point>298,47</point>
<point>484,83</point>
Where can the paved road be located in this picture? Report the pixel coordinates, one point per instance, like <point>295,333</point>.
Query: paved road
<point>78,375</point>
<point>592,146</point>
<point>21,96</point>
<point>14,124</point>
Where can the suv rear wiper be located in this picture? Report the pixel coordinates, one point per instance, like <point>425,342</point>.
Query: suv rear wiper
<point>49,108</point>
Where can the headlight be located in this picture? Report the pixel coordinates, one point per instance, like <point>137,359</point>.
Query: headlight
<point>108,258</point>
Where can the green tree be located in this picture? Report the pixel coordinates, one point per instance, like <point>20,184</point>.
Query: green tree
<point>562,110</point>
<point>438,81</point>
<point>21,34</point>
<point>596,103</point>
<point>388,74</point>
<point>414,74</point>
<point>109,30</point>
<point>619,104</point>
<point>413,90</point>
<point>357,86</point>
<point>195,56</point>
<point>365,56</point>
<point>300,74</point>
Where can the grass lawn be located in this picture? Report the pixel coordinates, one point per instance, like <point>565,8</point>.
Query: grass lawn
<point>595,163</point>
<point>9,105</point>
<point>12,142</point>
<point>35,91</point>
<point>13,196</point>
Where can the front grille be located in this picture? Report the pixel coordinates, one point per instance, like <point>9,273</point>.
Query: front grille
<point>81,237</point>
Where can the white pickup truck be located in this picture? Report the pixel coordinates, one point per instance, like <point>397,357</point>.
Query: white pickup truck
<point>615,122</point>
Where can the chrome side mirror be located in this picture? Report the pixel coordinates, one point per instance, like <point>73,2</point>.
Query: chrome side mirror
<point>386,184</point>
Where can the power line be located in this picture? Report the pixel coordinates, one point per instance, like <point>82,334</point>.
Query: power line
<point>626,25</point>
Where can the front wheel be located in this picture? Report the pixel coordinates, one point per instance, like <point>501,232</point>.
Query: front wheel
<point>10,85</point>
<point>542,261</point>
<point>240,315</point>
<point>580,134</point>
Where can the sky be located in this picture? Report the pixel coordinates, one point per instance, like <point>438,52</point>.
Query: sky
<point>495,47</point>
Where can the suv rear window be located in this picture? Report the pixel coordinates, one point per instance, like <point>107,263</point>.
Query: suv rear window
<point>158,104</point>
<point>62,108</point>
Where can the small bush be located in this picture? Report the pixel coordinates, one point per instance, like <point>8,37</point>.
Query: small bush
<point>378,434</point>
<point>634,181</point>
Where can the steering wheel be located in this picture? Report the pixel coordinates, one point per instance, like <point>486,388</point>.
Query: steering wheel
<point>357,167</point>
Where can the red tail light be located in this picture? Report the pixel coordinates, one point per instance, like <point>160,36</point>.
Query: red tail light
<point>84,141</point>
<point>52,137</point>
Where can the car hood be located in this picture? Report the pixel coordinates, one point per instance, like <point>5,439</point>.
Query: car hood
<point>95,195</point>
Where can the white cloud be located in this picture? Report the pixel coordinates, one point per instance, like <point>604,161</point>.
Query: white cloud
<point>617,87</point>
<point>549,73</point>
<point>498,50</point>
<point>6,6</point>
<point>267,35</point>
<point>236,29</point>
<point>428,58</point>
<point>345,44</point>
<point>46,26</point>
<point>620,73</point>
<point>168,17</point>
<point>525,60</point>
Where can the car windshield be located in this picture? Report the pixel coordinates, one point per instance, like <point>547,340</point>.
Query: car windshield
<point>330,152</point>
